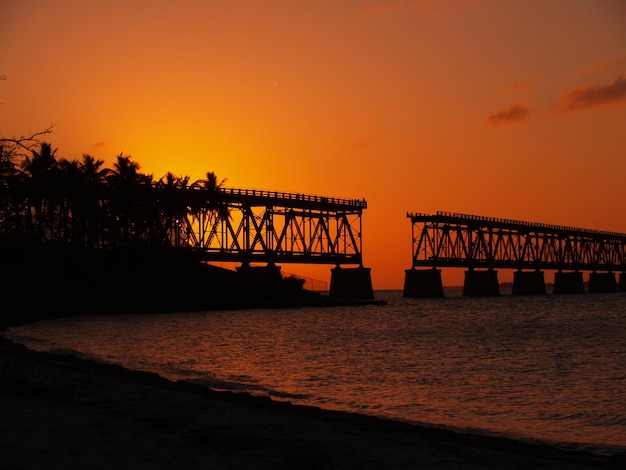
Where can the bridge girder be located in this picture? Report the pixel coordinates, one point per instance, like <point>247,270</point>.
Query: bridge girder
<point>459,240</point>
<point>265,229</point>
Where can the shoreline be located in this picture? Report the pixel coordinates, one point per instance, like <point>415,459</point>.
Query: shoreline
<point>53,403</point>
<point>52,281</point>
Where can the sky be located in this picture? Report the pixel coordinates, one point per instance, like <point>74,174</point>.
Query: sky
<point>508,108</point>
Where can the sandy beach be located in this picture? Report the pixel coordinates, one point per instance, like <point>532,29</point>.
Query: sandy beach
<point>64,413</point>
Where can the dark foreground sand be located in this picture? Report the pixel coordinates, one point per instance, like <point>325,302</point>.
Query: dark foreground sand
<point>64,413</point>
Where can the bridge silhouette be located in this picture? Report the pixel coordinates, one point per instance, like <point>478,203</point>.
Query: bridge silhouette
<point>260,226</point>
<point>482,244</point>
<point>253,226</point>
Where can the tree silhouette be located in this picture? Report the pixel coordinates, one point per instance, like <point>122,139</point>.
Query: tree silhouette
<point>210,183</point>
<point>126,201</point>
<point>9,174</point>
<point>100,228</point>
<point>84,204</point>
<point>40,189</point>
<point>14,151</point>
<point>67,198</point>
<point>92,170</point>
<point>209,197</point>
<point>92,200</point>
<point>174,200</point>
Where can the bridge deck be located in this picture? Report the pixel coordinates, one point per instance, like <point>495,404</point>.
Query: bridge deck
<point>447,239</point>
<point>518,225</point>
<point>261,197</point>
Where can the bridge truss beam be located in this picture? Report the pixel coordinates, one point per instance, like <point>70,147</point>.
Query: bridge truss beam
<point>458,240</point>
<point>250,226</point>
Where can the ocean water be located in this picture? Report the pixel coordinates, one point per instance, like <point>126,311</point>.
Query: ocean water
<point>548,368</point>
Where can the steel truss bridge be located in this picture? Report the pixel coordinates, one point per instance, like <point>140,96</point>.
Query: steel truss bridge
<point>449,239</point>
<point>259,226</point>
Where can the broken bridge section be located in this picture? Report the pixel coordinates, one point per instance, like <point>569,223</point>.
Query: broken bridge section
<point>272,227</point>
<point>484,244</point>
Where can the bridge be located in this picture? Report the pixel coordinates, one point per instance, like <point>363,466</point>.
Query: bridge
<point>483,244</point>
<point>260,226</point>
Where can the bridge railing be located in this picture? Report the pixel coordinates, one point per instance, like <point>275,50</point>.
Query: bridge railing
<point>263,193</point>
<point>513,223</point>
<point>247,194</point>
<point>288,198</point>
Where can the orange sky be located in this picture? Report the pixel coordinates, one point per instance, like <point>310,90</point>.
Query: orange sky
<point>513,109</point>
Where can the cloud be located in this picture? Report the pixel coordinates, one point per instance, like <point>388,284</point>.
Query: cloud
<point>518,86</point>
<point>511,115</point>
<point>593,96</point>
<point>610,64</point>
<point>100,145</point>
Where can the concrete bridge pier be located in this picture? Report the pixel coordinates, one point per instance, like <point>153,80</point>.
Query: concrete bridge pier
<point>351,283</point>
<point>481,283</point>
<point>423,283</point>
<point>569,283</point>
<point>602,282</point>
<point>528,283</point>
<point>622,282</point>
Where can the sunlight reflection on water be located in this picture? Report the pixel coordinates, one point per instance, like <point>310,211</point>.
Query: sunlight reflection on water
<point>547,367</point>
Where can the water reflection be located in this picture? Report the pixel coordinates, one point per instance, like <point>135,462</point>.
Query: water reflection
<point>548,367</point>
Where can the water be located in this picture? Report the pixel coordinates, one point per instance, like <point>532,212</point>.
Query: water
<point>549,368</point>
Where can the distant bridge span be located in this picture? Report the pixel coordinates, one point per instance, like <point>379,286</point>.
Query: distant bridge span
<point>447,239</point>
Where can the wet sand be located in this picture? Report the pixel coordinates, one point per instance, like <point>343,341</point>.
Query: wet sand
<point>64,413</point>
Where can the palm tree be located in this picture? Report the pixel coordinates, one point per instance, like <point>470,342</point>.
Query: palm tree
<point>9,180</point>
<point>209,194</point>
<point>94,178</point>
<point>40,186</point>
<point>41,162</point>
<point>125,171</point>
<point>67,199</point>
<point>131,201</point>
<point>93,171</point>
<point>17,155</point>
<point>173,199</point>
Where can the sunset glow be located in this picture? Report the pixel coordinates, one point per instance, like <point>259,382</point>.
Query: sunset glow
<point>512,109</point>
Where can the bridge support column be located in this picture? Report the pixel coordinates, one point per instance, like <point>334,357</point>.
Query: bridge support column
<point>528,283</point>
<point>622,282</point>
<point>602,282</point>
<point>568,283</point>
<point>351,283</point>
<point>481,283</point>
<point>423,283</point>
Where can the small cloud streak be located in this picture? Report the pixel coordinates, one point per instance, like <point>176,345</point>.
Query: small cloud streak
<point>511,115</point>
<point>610,64</point>
<point>100,145</point>
<point>518,86</point>
<point>593,96</point>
